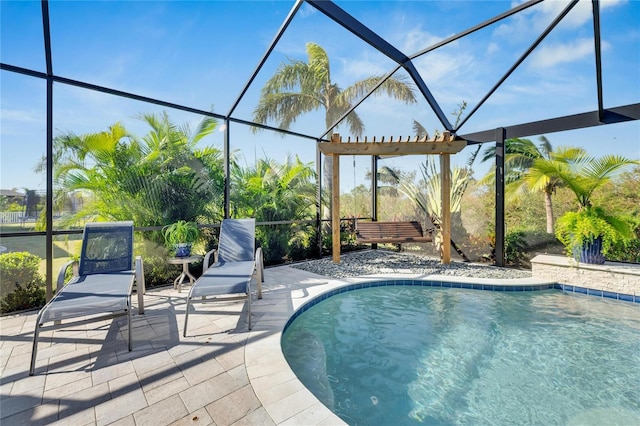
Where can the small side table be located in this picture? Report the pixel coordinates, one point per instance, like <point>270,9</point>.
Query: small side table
<point>184,261</point>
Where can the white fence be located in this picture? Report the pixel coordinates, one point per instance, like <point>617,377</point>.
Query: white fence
<point>12,217</point>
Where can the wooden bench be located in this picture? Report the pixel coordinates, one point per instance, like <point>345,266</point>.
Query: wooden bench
<point>392,233</point>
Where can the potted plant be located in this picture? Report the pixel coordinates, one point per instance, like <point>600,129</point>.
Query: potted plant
<point>590,233</point>
<point>180,236</point>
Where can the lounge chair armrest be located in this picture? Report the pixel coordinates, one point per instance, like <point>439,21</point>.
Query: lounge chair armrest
<point>63,272</point>
<point>141,287</point>
<point>259,270</point>
<point>207,259</point>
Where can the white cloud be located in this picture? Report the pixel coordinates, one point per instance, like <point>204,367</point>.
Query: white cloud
<point>359,68</point>
<point>21,116</point>
<point>492,48</point>
<point>547,56</point>
<point>306,10</point>
<point>538,17</point>
<point>415,40</point>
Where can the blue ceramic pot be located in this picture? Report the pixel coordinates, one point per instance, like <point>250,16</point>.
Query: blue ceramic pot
<point>590,252</point>
<point>183,250</point>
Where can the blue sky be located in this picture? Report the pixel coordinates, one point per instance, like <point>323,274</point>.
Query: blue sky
<point>201,53</point>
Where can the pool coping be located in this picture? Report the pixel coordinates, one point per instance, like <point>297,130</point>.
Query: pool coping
<point>491,284</point>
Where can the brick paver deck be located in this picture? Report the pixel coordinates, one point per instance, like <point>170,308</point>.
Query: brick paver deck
<point>221,374</point>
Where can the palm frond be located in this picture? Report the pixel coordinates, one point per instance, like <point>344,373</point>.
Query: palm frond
<point>419,130</point>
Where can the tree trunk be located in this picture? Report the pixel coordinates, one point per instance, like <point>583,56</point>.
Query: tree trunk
<point>549,208</point>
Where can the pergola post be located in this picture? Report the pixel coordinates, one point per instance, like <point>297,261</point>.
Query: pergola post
<point>335,203</point>
<point>445,193</point>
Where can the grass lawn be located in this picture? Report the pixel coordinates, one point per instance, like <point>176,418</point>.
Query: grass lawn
<point>64,246</point>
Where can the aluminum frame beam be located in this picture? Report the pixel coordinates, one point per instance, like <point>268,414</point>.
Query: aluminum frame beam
<point>584,120</point>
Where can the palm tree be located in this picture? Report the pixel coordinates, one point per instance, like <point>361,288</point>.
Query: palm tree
<point>299,87</point>
<point>390,179</point>
<point>426,196</point>
<point>591,226</point>
<point>578,171</point>
<point>273,192</point>
<point>154,180</point>
<point>521,158</point>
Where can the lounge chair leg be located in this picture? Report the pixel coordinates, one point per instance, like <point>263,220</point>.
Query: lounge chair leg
<point>140,284</point>
<point>186,318</point>
<point>34,350</point>
<point>129,326</point>
<point>249,308</point>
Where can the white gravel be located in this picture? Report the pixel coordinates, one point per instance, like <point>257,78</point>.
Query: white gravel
<point>370,262</point>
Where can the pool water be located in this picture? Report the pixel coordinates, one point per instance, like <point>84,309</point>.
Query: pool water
<point>411,355</point>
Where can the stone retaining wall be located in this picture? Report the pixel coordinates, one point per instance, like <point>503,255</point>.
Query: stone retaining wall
<point>615,277</point>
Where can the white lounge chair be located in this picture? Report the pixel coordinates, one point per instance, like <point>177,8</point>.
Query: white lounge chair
<point>236,261</point>
<point>101,285</point>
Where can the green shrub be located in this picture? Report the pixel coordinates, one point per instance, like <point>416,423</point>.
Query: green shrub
<point>33,295</point>
<point>22,285</point>
<point>574,229</point>
<point>18,268</point>
<point>157,272</point>
<point>627,251</point>
<point>515,247</point>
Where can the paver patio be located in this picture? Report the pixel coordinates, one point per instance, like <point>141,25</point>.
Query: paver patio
<point>221,374</point>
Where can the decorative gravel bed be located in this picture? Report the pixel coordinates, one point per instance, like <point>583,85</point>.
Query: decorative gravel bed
<point>384,262</point>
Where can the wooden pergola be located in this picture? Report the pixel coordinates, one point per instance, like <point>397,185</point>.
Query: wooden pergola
<point>443,145</point>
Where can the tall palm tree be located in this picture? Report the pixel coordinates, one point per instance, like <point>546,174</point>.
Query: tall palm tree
<point>521,157</point>
<point>299,87</point>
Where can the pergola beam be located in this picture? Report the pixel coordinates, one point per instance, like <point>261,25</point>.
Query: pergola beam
<point>439,145</point>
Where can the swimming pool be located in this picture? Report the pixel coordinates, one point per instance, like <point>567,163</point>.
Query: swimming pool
<point>422,355</point>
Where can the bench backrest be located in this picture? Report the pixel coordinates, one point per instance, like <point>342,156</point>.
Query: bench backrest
<point>377,230</point>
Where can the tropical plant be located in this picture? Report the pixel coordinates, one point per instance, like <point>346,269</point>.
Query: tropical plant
<point>591,226</point>
<point>154,180</point>
<point>427,196</point>
<point>583,174</point>
<point>520,157</point>
<point>271,192</point>
<point>180,232</point>
<point>299,87</point>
